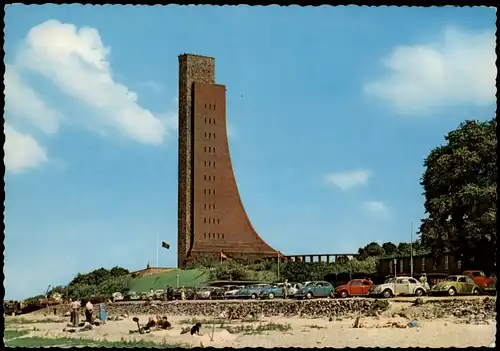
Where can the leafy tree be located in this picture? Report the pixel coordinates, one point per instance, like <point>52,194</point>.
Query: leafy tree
<point>460,195</point>
<point>404,249</point>
<point>296,271</point>
<point>118,272</point>
<point>389,248</point>
<point>373,249</point>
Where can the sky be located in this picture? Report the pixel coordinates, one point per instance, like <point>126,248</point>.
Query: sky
<point>330,110</point>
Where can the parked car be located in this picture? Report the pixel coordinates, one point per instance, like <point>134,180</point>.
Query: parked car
<point>398,286</point>
<point>146,295</point>
<point>189,291</point>
<point>276,290</point>
<point>231,290</point>
<point>158,294</point>
<point>250,291</point>
<point>315,289</point>
<point>456,285</point>
<point>205,292</point>
<point>117,296</point>
<point>132,296</point>
<point>481,279</point>
<point>355,287</point>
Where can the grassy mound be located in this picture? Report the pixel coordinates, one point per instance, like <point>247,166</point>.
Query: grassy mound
<point>189,277</point>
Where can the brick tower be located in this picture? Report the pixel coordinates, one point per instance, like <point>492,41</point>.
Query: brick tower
<point>211,216</point>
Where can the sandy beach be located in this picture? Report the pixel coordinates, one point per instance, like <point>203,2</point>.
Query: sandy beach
<point>301,332</point>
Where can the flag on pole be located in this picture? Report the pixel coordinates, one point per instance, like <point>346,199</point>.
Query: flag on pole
<point>224,256</point>
<point>165,245</point>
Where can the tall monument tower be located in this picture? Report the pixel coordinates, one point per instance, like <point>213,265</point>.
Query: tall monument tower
<point>211,216</point>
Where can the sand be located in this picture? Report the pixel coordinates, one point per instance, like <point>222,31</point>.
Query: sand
<point>303,333</point>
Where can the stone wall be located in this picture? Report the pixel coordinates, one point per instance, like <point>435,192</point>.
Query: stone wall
<point>323,308</point>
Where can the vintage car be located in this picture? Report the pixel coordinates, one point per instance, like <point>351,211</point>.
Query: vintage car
<point>117,296</point>
<point>456,285</point>
<point>276,290</point>
<point>189,291</point>
<point>315,289</point>
<point>158,294</point>
<point>231,290</point>
<point>131,296</point>
<point>355,287</point>
<point>146,295</point>
<point>250,291</point>
<point>398,286</point>
<point>205,292</point>
<point>481,279</point>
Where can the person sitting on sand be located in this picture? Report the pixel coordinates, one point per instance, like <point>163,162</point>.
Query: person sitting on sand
<point>195,329</point>
<point>150,324</point>
<point>162,322</point>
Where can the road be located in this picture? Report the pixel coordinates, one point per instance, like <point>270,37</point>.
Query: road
<point>395,299</point>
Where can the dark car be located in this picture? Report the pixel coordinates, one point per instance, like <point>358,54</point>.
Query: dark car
<point>189,291</point>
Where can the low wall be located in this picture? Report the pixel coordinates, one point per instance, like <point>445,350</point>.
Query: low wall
<point>301,308</point>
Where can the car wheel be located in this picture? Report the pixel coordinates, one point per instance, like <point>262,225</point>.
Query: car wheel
<point>253,296</point>
<point>271,296</point>
<point>332,294</point>
<point>419,292</point>
<point>343,294</point>
<point>309,295</point>
<point>476,291</point>
<point>452,291</point>
<point>387,293</point>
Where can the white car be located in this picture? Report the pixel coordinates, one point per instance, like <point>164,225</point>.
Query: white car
<point>232,290</point>
<point>398,286</point>
<point>117,296</point>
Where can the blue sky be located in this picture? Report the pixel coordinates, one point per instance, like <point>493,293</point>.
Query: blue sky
<point>331,112</point>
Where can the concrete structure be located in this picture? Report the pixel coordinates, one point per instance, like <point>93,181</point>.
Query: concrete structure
<point>210,212</point>
<point>324,258</point>
<point>446,264</point>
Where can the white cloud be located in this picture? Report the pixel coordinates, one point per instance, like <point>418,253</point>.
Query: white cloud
<point>23,102</point>
<point>22,152</point>
<point>459,68</point>
<point>347,180</point>
<point>76,60</point>
<point>157,88</point>
<point>377,208</point>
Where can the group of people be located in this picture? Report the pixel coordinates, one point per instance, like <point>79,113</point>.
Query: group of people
<point>74,308</point>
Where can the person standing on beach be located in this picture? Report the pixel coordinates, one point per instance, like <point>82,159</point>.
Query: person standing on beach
<point>102,313</point>
<point>89,310</point>
<point>74,315</point>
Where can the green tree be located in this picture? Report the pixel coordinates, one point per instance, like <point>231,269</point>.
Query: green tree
<point>460,182</point>
<point>389,248</point>
<point>373,249</point>
<point>296,271</point>
<point>403,249</point>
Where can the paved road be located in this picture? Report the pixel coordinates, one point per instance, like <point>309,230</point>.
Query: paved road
<point>395,299</point>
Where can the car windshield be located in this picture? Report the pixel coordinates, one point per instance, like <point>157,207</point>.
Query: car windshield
<point>451,279</point>
<point>390,280</point>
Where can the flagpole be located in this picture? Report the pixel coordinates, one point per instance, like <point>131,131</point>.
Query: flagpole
<point>158,250</point>
<point>278,266</point>
<point>411,249</point>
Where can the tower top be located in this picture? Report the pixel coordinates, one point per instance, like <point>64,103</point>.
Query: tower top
<point>185,56</point>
